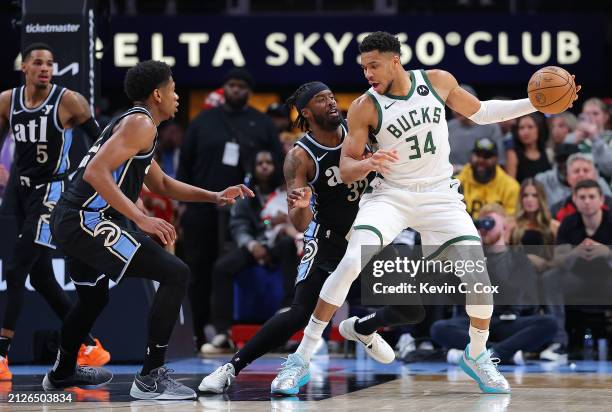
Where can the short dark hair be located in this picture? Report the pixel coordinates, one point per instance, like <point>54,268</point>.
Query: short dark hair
<point>588,184</point>
<point>146,76</point>
<point>25,54</point>
<point>239,73</point>
<point>381,41</point>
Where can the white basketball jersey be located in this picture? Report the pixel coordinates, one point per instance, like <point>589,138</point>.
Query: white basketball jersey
<point>415,126</point>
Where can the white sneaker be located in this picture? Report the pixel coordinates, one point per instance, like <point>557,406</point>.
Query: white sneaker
<point>220,344</point>
<point>405,345</point>
<point>219,380</point>
<point>453,356</point>
<point>374,344</point>
<point>555,353</point>
<point>518,358</point>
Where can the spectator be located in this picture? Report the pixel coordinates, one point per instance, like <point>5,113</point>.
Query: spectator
<point>578,270</point>
<point>262,231</point>
<point>529,142</point>
<point>560,126</point>
<point>219,147</point>
<point>287,140</point>
<point>514,329</point>
<point>579,167</point>
<point>170,138</point>
<point>463,133</point>
<point>591,135</point>
<point>484,181</point>
<point>280,117</point>
<point>534,226</point>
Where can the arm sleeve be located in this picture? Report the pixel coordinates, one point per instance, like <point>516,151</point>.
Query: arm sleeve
<point>91,128</point>
<point>495,111</point>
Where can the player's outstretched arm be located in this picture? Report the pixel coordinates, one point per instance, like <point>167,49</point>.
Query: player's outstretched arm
<point>298,191</point>
<point>480,112</point>
<point>362,116</point>
<point>159,182</point>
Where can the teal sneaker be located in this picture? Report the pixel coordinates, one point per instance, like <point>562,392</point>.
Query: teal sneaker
<point>484,371</point>
<point>293,375</point>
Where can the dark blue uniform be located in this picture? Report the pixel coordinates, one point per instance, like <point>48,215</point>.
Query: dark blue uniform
<point>334,206</point>
<point>41,157</point>
<point>88,229</point>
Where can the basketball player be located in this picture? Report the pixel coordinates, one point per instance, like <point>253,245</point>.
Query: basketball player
<point>89,225</point>
<point>41,116</point>
<point>413,188</point>
<point>324,208</point>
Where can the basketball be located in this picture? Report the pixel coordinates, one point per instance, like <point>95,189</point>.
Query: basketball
<point>551,90</point>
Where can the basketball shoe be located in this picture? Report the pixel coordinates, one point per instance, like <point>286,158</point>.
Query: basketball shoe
<point>293,375</point>
<point>5,372</point>
<point>93,355</point>
<point>82,376</point>
<point>375,345</point>
<point>484,371</point>
<point>159,385</point>
<point>219,380</point>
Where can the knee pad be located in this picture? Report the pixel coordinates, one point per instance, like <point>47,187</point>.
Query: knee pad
<point>479,311</point>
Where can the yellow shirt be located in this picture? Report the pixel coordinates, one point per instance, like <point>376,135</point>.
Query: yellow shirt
<point>503,189</point>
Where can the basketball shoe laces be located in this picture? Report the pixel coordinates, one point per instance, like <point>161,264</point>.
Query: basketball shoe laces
<point>288,369</point>
<point>490,369</point>
<point>164,378</point>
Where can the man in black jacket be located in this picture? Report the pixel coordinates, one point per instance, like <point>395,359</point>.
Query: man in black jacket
<point>219,147</point>
<point>264,235</point>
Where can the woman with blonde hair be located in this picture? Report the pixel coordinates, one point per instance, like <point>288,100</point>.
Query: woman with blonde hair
<point>534,226</point>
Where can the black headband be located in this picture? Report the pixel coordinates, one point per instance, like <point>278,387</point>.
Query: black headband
<point>309,93</point>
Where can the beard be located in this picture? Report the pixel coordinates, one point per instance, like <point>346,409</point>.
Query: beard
<point>388,88</point>
<point>483,176</point>
<point>327,123</point>
<point>237,104</point>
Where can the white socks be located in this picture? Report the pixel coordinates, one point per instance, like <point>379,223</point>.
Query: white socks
<point>478,341</point>
<point>312,334</point>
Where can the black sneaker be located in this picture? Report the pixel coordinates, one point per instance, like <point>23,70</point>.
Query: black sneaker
<point>159,385</point>
<point>82,376</point>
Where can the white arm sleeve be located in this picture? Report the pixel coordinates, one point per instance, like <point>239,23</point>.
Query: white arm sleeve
<point>494,111</point>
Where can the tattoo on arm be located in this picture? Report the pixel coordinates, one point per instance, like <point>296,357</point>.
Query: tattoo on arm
<point>292,163</point>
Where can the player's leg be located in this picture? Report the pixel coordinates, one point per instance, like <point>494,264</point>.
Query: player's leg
<point>448,233</point>
<point>19,265</point>
<point>152,262</point>
<point>92,298</point>
<point>222,297</point>
<point>378,222</point>
<point>274,333</point>
<point>42,278</point>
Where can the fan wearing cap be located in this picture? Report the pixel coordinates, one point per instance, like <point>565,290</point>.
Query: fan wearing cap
<point>555,182</point>
<point>484,181</point>
<point>219,147</point>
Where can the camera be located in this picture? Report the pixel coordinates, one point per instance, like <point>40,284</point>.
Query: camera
<point>485,223</point>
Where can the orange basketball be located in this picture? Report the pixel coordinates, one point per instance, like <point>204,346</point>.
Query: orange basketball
<point>551,90</point>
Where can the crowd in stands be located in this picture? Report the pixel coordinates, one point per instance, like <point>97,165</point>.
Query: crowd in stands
<point>540,182</point>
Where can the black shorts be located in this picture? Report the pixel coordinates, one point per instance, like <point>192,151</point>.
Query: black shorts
<point>323,251</point>
<point>103,243</point>
<point>33,209</point>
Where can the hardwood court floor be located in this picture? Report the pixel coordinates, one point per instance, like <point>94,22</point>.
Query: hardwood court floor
<point>351,385</point>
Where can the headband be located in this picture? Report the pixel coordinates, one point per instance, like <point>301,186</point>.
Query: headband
<point>309,93</point>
